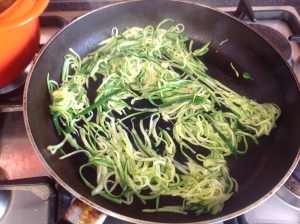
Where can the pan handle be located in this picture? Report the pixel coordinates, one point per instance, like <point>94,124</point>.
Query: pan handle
<point>80,212</point>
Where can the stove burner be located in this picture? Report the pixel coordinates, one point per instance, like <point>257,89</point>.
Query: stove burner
<point>293,185</point>
<point>278,39</point>
<point>5,196</point>
<point>289,193</point>
<point>296,176</point>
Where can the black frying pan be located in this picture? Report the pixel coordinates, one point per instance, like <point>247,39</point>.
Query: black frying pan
<point>260,172</point>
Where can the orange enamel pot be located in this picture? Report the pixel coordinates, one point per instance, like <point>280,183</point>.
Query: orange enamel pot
<point>19,37</point>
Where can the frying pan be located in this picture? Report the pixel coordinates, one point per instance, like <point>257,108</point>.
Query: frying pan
<point>259,172</point>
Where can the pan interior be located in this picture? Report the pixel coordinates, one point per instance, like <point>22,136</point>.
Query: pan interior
<point>257,172</point>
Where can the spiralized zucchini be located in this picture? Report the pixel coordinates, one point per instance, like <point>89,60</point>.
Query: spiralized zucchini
<point>133,148</point>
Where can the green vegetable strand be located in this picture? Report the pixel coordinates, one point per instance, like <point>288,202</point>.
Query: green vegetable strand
<point>154,76</point>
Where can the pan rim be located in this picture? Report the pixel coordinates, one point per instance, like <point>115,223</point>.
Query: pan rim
<point>100,208</point>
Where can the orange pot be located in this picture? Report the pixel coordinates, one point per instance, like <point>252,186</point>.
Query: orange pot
<point>19,37</point>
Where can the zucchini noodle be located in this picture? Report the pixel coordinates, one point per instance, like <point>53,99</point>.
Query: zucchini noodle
<point>132,148</point>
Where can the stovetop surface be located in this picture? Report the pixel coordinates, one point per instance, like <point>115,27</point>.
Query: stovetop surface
<point>18,159</point>
<point>68,5</point>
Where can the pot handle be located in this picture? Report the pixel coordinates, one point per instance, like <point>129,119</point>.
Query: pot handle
<point>80,212</point>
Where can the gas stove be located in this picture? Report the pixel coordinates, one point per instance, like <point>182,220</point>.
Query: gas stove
<point>31,201</point>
